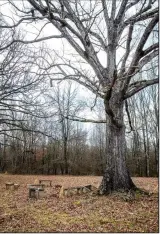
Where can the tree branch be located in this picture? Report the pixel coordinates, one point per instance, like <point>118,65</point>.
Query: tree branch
<point>139,52</point>
<point>132,4</point>
<point>74,78</point>
<point>32,41</point>
<point>121,11</point>
<point>85,120</point>
<point>138,86</point>
<point>21,20</point>
<point>150,48</point>
<point>129,39</point>
<point>97,36</point>
<point>113,11</point>
<point>136,18</point>
<point>128,115</point>
<point>147,59</point>
<point>105,11</point>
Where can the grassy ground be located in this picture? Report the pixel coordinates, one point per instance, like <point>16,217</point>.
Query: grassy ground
<point>79,213</point>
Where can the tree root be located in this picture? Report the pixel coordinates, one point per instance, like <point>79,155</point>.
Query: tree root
<point>126,195</point>
<point>142,191</point>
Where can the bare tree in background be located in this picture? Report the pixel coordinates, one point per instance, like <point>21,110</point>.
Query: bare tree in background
<point>65,104</point>
<point>21,81</point>
<point>20,77</point>
<point>143,138</point>
<point>121,32</point>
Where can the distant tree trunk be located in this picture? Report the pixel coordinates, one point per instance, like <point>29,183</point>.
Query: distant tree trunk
<point>4,153</point>
<point>62,168</point>
<point>157,138</point>
<point>144,102</point>
<point>156,149</point>
<point>42,165</point>
<point>116,176</point>
<point>55,171</point>
<point>65,156</point>
<point>146,154</point>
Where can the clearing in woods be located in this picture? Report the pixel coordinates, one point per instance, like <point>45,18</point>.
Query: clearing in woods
<point>78,213</point>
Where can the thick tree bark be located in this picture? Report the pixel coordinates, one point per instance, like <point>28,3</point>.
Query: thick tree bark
<point>116,176</point>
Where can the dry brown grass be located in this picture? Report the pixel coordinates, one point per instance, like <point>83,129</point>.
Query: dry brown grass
<point>79,213</point>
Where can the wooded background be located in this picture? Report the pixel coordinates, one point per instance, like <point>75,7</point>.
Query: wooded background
<point>27,150</point>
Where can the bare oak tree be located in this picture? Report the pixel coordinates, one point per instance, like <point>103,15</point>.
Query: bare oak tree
<point>121,32</point>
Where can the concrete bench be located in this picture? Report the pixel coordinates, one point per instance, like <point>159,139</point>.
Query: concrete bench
<point>46,182</point>
<point>16,186</point>
<point>9,185</point>
<point>76,190</point>
<point>12,186</point>
<point>36,186</point>
<point>36,193</point>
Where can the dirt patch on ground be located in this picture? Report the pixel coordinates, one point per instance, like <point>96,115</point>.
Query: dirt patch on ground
<point>78,213</point>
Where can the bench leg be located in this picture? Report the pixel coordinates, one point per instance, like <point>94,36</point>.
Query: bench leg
<point>37,194</point>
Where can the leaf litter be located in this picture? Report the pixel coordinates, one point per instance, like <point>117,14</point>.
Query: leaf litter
<point>77,213</point>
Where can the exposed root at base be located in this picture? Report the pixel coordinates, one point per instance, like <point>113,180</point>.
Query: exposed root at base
<point>142,191</point>
<point>126,195</point>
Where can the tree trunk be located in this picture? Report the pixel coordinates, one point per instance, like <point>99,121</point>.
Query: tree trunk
<point>116,176</point>
<point>156,147</point>
<point>65,157</point>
